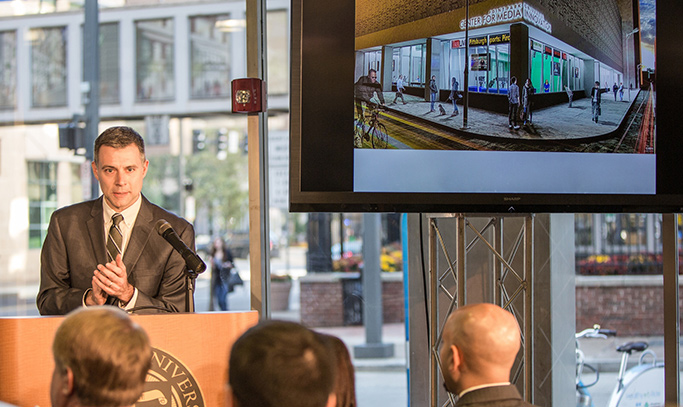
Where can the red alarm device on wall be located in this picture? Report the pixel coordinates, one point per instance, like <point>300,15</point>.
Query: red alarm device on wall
<point>248,95</point>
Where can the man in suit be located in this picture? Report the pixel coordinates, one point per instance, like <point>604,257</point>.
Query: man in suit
<point>101,359</point>
<point>479,346</point>
<point>281,364</point>
<point>107,250</point>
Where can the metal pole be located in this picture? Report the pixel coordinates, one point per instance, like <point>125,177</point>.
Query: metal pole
<point>672,328</point>
<point>529,309</point>
<point>433,316</point>
<point>259,247</point>
<point>466,85</point>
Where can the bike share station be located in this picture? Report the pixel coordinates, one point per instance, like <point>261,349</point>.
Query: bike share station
<point>525,264</point>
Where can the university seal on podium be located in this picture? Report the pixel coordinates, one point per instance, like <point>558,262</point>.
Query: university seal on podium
<point>170,384</point>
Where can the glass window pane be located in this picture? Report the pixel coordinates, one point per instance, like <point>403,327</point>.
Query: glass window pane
<point>209,57</point>
<point>110,70</point>
<point>8,69</point>
<point>48,66</point>
<point>278,52</point>
<point>154,52</point>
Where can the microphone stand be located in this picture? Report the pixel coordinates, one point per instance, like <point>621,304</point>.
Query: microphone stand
<point>190,277</point>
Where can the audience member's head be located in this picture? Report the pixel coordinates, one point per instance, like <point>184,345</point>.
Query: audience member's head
<point>280,364</point>
<point>101,359</point>
<point>480,344</point>
<point>345,383</point>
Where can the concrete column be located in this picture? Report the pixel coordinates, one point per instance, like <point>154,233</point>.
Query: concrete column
<point>372,292</point>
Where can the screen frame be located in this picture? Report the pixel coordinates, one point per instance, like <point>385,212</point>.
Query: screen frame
<point>321,167</point>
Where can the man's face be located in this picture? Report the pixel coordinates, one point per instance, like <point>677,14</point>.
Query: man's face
<point>120,172</point>
<point>373,77</point>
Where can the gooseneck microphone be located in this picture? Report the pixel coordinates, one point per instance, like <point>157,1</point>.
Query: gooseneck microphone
<point>192,261</point>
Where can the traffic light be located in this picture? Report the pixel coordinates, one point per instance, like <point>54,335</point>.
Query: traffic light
<point>71,136</point>
<point>198,141</point>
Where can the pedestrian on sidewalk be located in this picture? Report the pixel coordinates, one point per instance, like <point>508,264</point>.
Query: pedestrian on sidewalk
<point>433,92</point>
<point>596,100</point>
<point>513,103</point>
<point>454,95</point>
<point>570,94</point>
<point>527,91</point>
<point>621,91</point>
<point>399,90</point>
<point>614,89</point>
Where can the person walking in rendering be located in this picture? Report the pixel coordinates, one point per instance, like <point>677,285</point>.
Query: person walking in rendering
<point>614,90</point>
<point>433,93</point>
<point>513,106</point>
<point>527,91</point>
<point>621,91</point>
<point>596,100</point>
<point>570,94</point>
<point>454,95</point>
<point>399,90</point>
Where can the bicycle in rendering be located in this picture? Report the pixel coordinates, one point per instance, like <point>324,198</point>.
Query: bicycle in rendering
<point>368,128</point>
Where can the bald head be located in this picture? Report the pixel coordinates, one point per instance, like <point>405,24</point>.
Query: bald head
<point>480,343</point>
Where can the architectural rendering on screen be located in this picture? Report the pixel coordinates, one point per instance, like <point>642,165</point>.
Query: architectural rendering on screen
<point>537,76</point>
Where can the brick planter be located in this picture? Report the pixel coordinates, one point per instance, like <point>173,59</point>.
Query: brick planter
<point>322,298</point>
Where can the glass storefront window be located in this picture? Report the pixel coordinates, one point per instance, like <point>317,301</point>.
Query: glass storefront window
<point>417,58</point>
<point>154,55</point>
<point>479,62</point>
<point>48,66</point>
<point>8,69</point>
<point>500,68</point>
<point>536,62</point>
<point>110,70</point>
<point>209,58</point>
<point>557,73</point>
<point>547,70</point>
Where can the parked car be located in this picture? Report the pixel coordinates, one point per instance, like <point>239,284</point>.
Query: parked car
<point>238,243</point>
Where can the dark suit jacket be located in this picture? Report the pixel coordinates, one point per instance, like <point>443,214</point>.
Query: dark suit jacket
<point>499,396</point>
<point>75,245</point>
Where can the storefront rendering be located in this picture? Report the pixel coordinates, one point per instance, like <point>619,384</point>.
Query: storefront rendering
<point>506,38</point>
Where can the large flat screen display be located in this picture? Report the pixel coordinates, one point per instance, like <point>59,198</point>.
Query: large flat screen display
<point>491,106</point>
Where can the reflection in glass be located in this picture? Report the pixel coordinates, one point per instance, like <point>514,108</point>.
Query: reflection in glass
<point>8,69</point>
<point>154,52</point>
<point>209,58</point>
<point>48,66</point>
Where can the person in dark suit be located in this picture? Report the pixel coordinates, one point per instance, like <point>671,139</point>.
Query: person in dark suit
<point>82,264</point>
<point>479,346</point>
<point>101,359</point>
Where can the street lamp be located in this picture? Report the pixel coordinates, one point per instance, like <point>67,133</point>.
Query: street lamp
<point>628,75</point>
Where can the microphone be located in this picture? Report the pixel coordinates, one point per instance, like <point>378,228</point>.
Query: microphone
<point>192,261</point>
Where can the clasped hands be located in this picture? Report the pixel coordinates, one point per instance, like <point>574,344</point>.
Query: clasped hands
<point>110,279</point>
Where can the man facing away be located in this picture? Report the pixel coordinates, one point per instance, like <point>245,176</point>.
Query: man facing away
<point>280,364</point>
<point>101,359</point>
<point>479,346</point>
<point>108,250</point>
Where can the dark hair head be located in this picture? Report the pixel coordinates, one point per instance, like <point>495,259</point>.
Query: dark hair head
<point>597,83</point>
<point>119,137</point>
<point>513,79</point>
<point>281,364</point>
<point>107,352</point>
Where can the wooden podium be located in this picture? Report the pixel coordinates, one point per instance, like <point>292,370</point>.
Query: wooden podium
<point>189,365</point>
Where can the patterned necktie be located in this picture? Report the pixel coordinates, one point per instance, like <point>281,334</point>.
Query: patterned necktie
<point>115,238</point>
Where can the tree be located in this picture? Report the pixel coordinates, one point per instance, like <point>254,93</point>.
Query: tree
<point>219,186</point>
